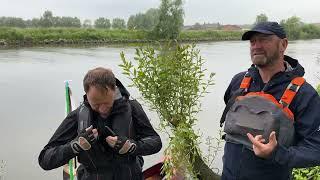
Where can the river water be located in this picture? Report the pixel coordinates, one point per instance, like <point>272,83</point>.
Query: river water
<point>32,94</point>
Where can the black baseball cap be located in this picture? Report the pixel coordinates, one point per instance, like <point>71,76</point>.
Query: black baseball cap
<point>265,28</point>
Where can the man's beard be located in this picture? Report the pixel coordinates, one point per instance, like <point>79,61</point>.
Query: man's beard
<point>264,60</point>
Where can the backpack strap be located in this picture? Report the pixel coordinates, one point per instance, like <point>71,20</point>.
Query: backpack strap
<point>245,83</point>
<point>291,91</point>
<point>133,103</point>
<point>84,117</point>
<point>244,86</point>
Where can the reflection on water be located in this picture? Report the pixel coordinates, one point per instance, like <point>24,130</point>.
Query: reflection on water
<point>32,93</point>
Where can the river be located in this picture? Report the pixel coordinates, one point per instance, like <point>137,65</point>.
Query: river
<point>32,94</point>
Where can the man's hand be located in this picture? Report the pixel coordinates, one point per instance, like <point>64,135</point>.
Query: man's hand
<point>260,149</point>
<point>120,144</point>
<point>84,140</point>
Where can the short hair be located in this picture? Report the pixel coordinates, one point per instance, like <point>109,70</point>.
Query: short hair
<point>99,77</point>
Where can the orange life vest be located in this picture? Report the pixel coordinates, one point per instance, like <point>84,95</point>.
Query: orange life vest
<point>286,98</point>
<point>259,113</point>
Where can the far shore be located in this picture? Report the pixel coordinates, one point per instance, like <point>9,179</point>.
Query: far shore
<point>29,37</point>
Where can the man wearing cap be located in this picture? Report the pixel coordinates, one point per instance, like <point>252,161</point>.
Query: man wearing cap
<point>272,119</point>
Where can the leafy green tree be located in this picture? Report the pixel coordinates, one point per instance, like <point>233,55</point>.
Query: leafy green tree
<point>152,18</point>
<point>131,24</point>
<point>56,21</point>
<point>170,19</point>
<point>141,21</point>
<point>261,18</point>
<point>172,81</point>
<point>64,21</point>
<point>35,22</point>
<point>102,23</point>
<point>12,22</point>
<point>73,22</point>
<point>87,23</point>
<point>145,21</point>
<point>310,31</point>
<point>47,19</point>
<point>292,27</point>
<point>118,23</point>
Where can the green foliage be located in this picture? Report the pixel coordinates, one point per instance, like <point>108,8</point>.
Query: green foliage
<point>118,23</point>
<point>66,22</point>
<point>214,146</point>
<point>312,173</point>
<point>47,19</point>
<point>292,27</point>
<point>37,35</point>
<point>35,22</point>
<point>152,17</point>
<point>172,81</point>
<point>261,18</point>
<point>307,173</point>
<point>210,35</point>
<point>145,21</point>
<point>76,34</point>
<point>87,23</point>
<point>309,31</point>
<point>170,19</point>
<point>296,29</point>
<point>12,22</point>
<point>137,21</point>
<point>103,23</point>
<point>11,34</point>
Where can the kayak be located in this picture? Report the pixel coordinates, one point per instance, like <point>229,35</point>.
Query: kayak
<point>153,172</point>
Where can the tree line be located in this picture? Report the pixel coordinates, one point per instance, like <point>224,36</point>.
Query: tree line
<point>47,20</point>
<point>295,28</point>
<point>140,21</point>
<point>164,22</point>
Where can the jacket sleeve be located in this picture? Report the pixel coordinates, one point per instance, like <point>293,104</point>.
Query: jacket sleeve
<point>306,151</point>
<point>58,151</point>
<point>147,139</point>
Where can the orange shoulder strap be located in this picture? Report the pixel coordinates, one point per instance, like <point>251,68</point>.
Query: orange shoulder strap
<point>291,91</point>
<point>245,83</point>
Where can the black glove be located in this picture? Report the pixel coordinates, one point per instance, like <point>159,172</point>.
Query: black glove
<point>125,145</point>
<point>83,141</point>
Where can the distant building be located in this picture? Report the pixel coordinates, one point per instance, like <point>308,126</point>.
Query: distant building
<point>229,27</point>
<point>213,26</point>
<point>204,26</point>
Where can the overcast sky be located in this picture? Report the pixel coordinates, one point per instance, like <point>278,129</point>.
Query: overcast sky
<point>222,11</point>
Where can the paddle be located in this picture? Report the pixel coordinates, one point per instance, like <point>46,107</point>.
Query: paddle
<point>69,169</point>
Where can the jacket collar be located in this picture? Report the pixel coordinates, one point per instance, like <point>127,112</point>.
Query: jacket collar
<point>295,70</point>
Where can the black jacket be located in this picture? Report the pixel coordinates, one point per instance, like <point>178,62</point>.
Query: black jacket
<point>101,162</point>
<point>241,163</point>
